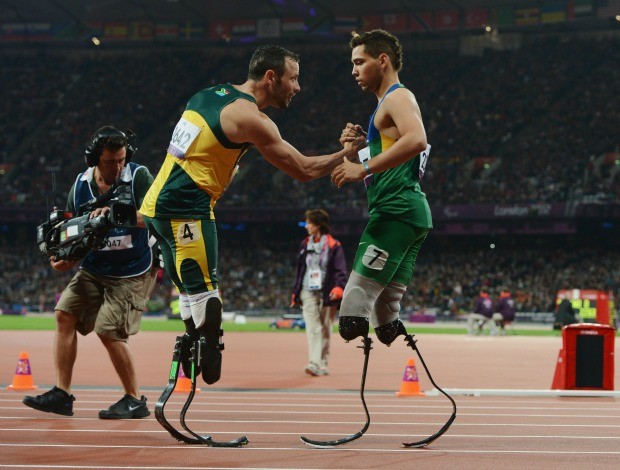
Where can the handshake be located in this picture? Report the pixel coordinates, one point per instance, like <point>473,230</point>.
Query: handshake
<point>352,138</point>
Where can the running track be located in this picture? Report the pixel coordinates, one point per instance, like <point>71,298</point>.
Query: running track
<point>265,395</point>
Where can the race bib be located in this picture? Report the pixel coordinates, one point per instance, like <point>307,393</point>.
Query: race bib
<point>184,135</point>
<point>117,243</point>
<point>375,258</point>
<point>314,279</point>
<point>188,232</point>
<point>364,155</point>
<point>423,159</point>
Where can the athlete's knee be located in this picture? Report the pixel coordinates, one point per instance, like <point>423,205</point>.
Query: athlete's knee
<point>389,332</point>
<point>359,295</point>
<point>387,306</point>
<point>351,327</point>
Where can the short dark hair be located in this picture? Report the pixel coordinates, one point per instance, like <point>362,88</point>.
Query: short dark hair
<point>379,41</point>
<point>319,217</point>
<point>269,57</point>
<point>109,138</point>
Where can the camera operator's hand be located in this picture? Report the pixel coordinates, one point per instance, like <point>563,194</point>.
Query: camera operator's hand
<point>62,265</point>
<point>99,211</point>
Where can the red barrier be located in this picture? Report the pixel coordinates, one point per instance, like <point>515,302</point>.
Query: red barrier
<point>586,360</point>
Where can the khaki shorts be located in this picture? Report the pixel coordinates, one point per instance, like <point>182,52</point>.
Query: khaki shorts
<point>110,307</point>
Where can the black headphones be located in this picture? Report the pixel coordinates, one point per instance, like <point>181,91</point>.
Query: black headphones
<point>95,147</point>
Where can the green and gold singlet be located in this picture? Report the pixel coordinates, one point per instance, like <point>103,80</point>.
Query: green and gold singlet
<point>200,162</point>
<point>396,192</point>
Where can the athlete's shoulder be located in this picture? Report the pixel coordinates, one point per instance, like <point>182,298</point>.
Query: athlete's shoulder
<point>222,91</point>
<point>400,92</point>
<point>401,98</point>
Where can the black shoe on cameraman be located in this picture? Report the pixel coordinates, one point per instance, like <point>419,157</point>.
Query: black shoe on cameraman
<point>55,400</point>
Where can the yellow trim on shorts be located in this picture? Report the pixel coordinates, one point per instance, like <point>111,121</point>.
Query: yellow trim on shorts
<point>195,250</point>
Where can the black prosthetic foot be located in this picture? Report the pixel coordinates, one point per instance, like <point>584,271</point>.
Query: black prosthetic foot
<point>210,342</point>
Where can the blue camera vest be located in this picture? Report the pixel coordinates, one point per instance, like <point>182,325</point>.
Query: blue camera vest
<point>127,252</point>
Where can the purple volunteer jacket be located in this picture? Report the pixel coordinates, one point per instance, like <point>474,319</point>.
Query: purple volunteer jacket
<point>336,272</point>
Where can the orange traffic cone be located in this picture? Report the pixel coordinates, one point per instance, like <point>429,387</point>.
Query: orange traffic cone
<point>559,378</point>
<point>184,384</point>
<point>22,380</point>
<point>410,385</point>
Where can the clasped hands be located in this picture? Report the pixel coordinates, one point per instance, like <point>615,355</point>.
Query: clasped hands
<point>352,138</point>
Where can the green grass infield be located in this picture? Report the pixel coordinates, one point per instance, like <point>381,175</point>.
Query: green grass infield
<point>47,322</point>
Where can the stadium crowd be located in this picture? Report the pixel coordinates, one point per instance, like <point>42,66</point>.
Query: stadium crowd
<point>542,121</point>
<point>541,116</point>
<point>258,275</point>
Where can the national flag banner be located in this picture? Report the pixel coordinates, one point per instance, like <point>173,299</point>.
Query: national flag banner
<point>608,8</point>
<point>476,19</point>
<point>293,26</point>
<point>95,28</point>
<point>420,22</point>
<point>579,9</point>
<point>191,30</point>
<point>166,31</point>
<point>527,16</point>
<point>268,27</point>
<point>445,20</point>
<point>345,24</point>
<point>115,31</point>
<point>66,31</point>
<point>321,27</point>
<point>370,22</point>
<point>553,12</point>
<point>38,31</point>
<point>219,29</point>
<point>13,32</point>
<point>504,17</point>
<point>243,28</point>
<point>141,30</point>
<point>396,22</point>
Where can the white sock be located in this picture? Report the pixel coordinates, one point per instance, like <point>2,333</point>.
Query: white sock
<point>186,311</point>
<point>198,303</point>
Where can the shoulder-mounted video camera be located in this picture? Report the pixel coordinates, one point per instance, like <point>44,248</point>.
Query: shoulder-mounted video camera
<point>66,237</point>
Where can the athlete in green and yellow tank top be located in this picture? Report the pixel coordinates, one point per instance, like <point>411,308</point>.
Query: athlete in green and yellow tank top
<point>216,129</point>
<point>200,162</point>
<point>396,191</point>
<point>392,166</point>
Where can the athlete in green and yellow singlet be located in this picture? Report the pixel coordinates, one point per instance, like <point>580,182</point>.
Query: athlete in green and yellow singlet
<point>392,166</point>
<point>216,129</point>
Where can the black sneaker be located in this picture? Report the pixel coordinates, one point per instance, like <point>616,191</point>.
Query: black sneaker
<point>210,342</point>
<point>127,407</point>
<point>55,400</point>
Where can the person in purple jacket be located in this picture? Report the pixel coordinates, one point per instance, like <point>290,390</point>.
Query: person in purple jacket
<point>483,313</point>
<point>319,284</point>
<point>506,308</point>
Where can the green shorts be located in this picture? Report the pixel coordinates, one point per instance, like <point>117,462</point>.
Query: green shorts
<point>189,249</point>
<point>388,250</point>
<point>111,307</point>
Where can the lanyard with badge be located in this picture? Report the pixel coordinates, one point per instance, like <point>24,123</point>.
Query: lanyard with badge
<point>315,276</point>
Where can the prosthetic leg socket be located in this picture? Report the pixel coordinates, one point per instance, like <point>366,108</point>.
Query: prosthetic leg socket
<point>351,327</point>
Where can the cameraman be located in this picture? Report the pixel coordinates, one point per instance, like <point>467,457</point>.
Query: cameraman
<point>109,292</point>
